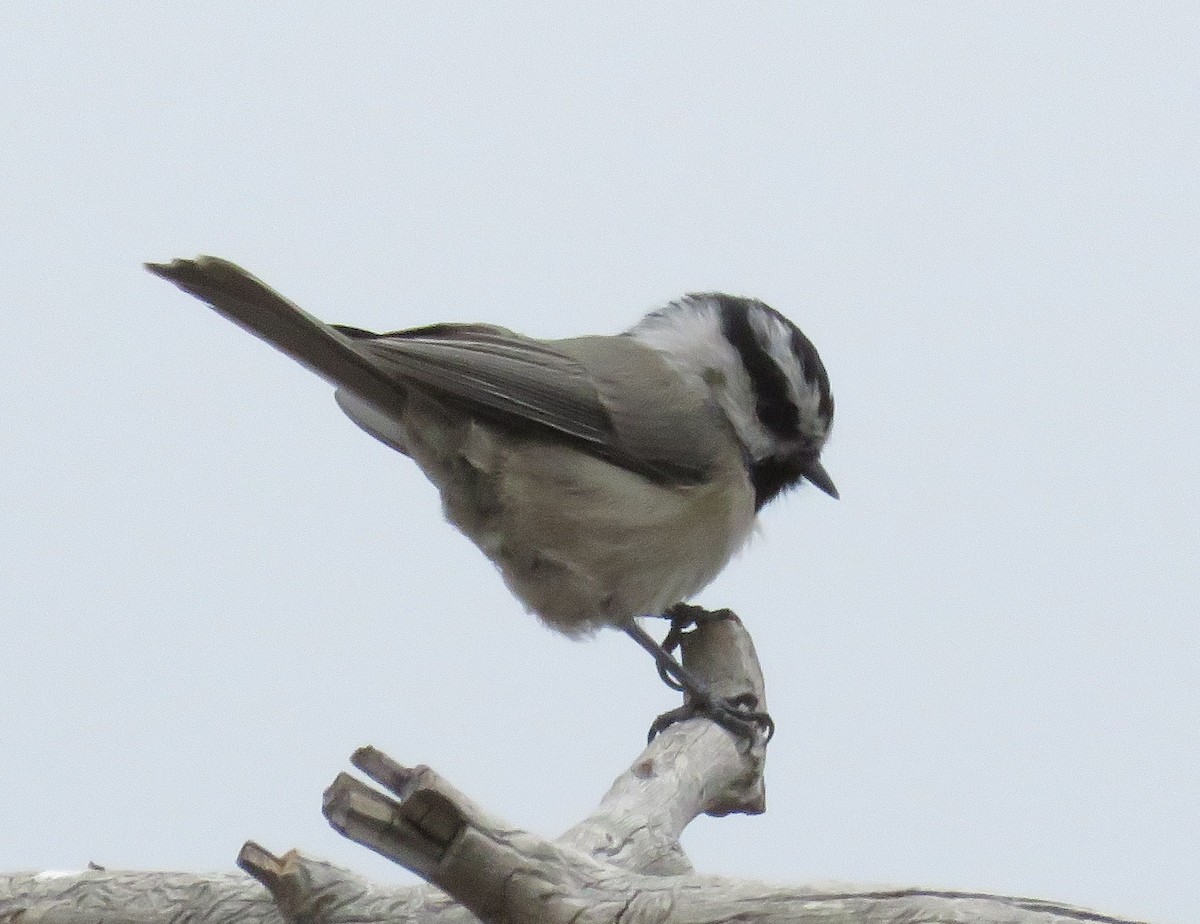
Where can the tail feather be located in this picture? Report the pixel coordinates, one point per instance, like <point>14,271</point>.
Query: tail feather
<point>258,308</point>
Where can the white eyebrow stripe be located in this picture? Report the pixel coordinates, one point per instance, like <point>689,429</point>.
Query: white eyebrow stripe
<point>689,333</point>
<point>776,338</point>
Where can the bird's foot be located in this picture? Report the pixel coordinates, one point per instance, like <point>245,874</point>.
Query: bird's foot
<point>737,714</point>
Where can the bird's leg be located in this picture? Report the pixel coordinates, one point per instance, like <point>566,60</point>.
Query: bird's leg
<point>737,714</point>
<point>682,617</point>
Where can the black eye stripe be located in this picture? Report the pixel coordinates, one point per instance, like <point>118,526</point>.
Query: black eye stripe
<point>773,404</point>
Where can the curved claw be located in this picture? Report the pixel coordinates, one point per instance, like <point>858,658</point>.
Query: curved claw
<point>735,714</point>
<point>668,679</point>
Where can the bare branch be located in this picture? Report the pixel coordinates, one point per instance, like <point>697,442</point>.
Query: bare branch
<point>620,865</point>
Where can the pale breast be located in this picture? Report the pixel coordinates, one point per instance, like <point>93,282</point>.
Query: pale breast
<point>583,543</point>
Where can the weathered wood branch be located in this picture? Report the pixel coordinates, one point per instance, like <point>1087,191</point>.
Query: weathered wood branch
<point>622,864</point>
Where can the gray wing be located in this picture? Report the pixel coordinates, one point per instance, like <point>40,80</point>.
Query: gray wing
<point>611,396</point>
<point>494,370</point>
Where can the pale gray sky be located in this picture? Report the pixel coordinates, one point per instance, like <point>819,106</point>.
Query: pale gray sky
<point>984,661</point>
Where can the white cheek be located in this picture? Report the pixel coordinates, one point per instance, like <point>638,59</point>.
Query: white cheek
<point>694,343</point>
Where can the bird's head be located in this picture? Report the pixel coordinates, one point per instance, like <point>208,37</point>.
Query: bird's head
<point>765,376</point>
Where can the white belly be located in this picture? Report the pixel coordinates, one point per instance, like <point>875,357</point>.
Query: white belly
<point>580,542</point>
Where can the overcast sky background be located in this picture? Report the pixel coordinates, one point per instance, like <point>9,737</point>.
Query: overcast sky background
<point>984,661</point>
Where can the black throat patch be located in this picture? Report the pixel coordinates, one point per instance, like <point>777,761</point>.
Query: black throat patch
<point>774,475</point>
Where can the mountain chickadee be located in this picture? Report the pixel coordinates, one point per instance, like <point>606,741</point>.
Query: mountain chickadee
<point>607,477</point>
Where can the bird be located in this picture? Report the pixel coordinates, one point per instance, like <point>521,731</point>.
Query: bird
<point>608,477</point>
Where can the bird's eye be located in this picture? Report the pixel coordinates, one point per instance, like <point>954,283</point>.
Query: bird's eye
<point>713,377</point>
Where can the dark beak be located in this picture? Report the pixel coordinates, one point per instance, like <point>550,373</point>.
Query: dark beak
<point>817,475</point>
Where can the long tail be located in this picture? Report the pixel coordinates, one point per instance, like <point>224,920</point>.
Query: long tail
<point>258,308</point>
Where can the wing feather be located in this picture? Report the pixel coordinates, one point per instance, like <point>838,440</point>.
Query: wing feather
<point>615,397</point>
<point>612,396</point>
<point>497,370</point>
